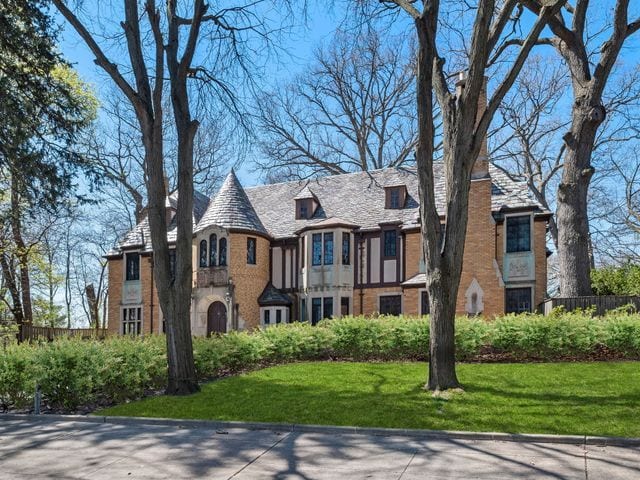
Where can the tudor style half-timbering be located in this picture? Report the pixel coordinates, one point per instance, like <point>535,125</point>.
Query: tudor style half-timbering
<point>332,246</point>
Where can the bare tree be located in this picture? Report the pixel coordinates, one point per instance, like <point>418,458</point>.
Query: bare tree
<point>145,95</point>
<point>632,194</point>
<point>352,110</point>
<point>117,157</point>
<point>590,70</point>
<point>165,45</point>
<point>616,227</point>
<point>464,131</point>
<point>526,144</point>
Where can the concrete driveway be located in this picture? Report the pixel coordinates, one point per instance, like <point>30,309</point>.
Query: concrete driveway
<point>74,449</point>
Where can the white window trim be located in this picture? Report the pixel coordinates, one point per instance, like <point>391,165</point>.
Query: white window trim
<point>286,314</point>
<point>128,307</point>
<point>531,232</point>
<point>124,269</point>
<point>337,248</point>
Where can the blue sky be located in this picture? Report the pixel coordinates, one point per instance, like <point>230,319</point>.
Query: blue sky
<point>299,47</point>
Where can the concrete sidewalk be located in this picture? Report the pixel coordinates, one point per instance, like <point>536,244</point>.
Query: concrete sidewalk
<point>55,448</point>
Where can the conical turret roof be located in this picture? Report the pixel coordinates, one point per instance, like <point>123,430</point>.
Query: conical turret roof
<point>231,208</point>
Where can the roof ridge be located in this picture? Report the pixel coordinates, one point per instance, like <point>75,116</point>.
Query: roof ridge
<point>337,175</point>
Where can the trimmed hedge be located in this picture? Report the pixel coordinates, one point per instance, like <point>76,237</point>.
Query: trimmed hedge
<point>73,373</point>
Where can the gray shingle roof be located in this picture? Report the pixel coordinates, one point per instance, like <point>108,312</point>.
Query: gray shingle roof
<point>304,193</point>
<point>272,296</point>
<point>140,235</point>
<point>359,198</point>
<point>231,208</point>
<point>354,198</point>
<point>507,194</point>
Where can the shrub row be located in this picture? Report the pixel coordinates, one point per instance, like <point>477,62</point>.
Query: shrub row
<point>72,373</point>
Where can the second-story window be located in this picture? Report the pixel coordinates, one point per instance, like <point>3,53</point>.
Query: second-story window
<point>328,248</point>
<point>346,248</point>
<point>519,234</point>
<point>213,249</point>
<point>251,251</point>
<point>395,196</point>
<point>316,241</point>
<point>222,255</point>
<point>390,243</point>
<point>133,266</point>
<point>304,210</point>
<point>203,254</point>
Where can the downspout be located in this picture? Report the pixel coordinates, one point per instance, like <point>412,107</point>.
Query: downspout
<point>495,240</point>
<point>151,295</point>
<point>361,269</point>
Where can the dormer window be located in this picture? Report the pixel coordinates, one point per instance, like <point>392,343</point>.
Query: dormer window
<point>306,204</point>
<point>395,197</point>
<point>304,208</point>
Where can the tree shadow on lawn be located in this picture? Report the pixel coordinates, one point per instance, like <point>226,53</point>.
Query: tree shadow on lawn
<point>480,408</point>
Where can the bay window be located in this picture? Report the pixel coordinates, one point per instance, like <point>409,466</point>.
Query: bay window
<point>518,234</point>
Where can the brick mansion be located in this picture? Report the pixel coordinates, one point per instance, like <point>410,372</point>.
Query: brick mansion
<point>332,246</point>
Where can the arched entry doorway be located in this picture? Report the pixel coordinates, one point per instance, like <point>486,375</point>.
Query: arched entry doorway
<point>216,318</point>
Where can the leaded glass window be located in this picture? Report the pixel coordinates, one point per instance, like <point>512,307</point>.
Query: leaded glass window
<point>213,249</point>
<point>316,242</point>
<point>519,234</point>
<point>328,248</point>
<point>203,253</point>
<point>222,255</point>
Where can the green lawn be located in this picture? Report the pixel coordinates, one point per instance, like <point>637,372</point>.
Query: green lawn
<point>561,398</point>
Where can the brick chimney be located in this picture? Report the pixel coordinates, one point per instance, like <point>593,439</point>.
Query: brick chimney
<point>481,166</point>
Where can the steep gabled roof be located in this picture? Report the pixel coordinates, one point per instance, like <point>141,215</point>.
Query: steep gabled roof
<point>140,235</point>
<point>304,194</point>
<point>359,198</point>
<point>272,296</point>
<point>355,199</point>
<point>231,209</point>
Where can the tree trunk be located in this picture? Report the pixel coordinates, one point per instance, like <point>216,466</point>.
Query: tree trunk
<point>182,375</point>
<point>92,302</point>
<point>442,345</point>
<point>442,287</point>
<point>572,216</point>
<point>9,277</point>
<point>175,301</point>
<point>22,253</point>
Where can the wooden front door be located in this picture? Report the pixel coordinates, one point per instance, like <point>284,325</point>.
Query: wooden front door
<point>216,318</point>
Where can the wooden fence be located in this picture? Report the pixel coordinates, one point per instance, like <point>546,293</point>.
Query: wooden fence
<point>601,303</point>
<point>28,333</point>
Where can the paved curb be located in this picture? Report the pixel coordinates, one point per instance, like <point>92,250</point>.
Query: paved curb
<point>336,430</point>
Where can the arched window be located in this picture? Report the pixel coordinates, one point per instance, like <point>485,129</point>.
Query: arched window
<point>203,253</point>
<point>222,255</point>
<point>213,249</point>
